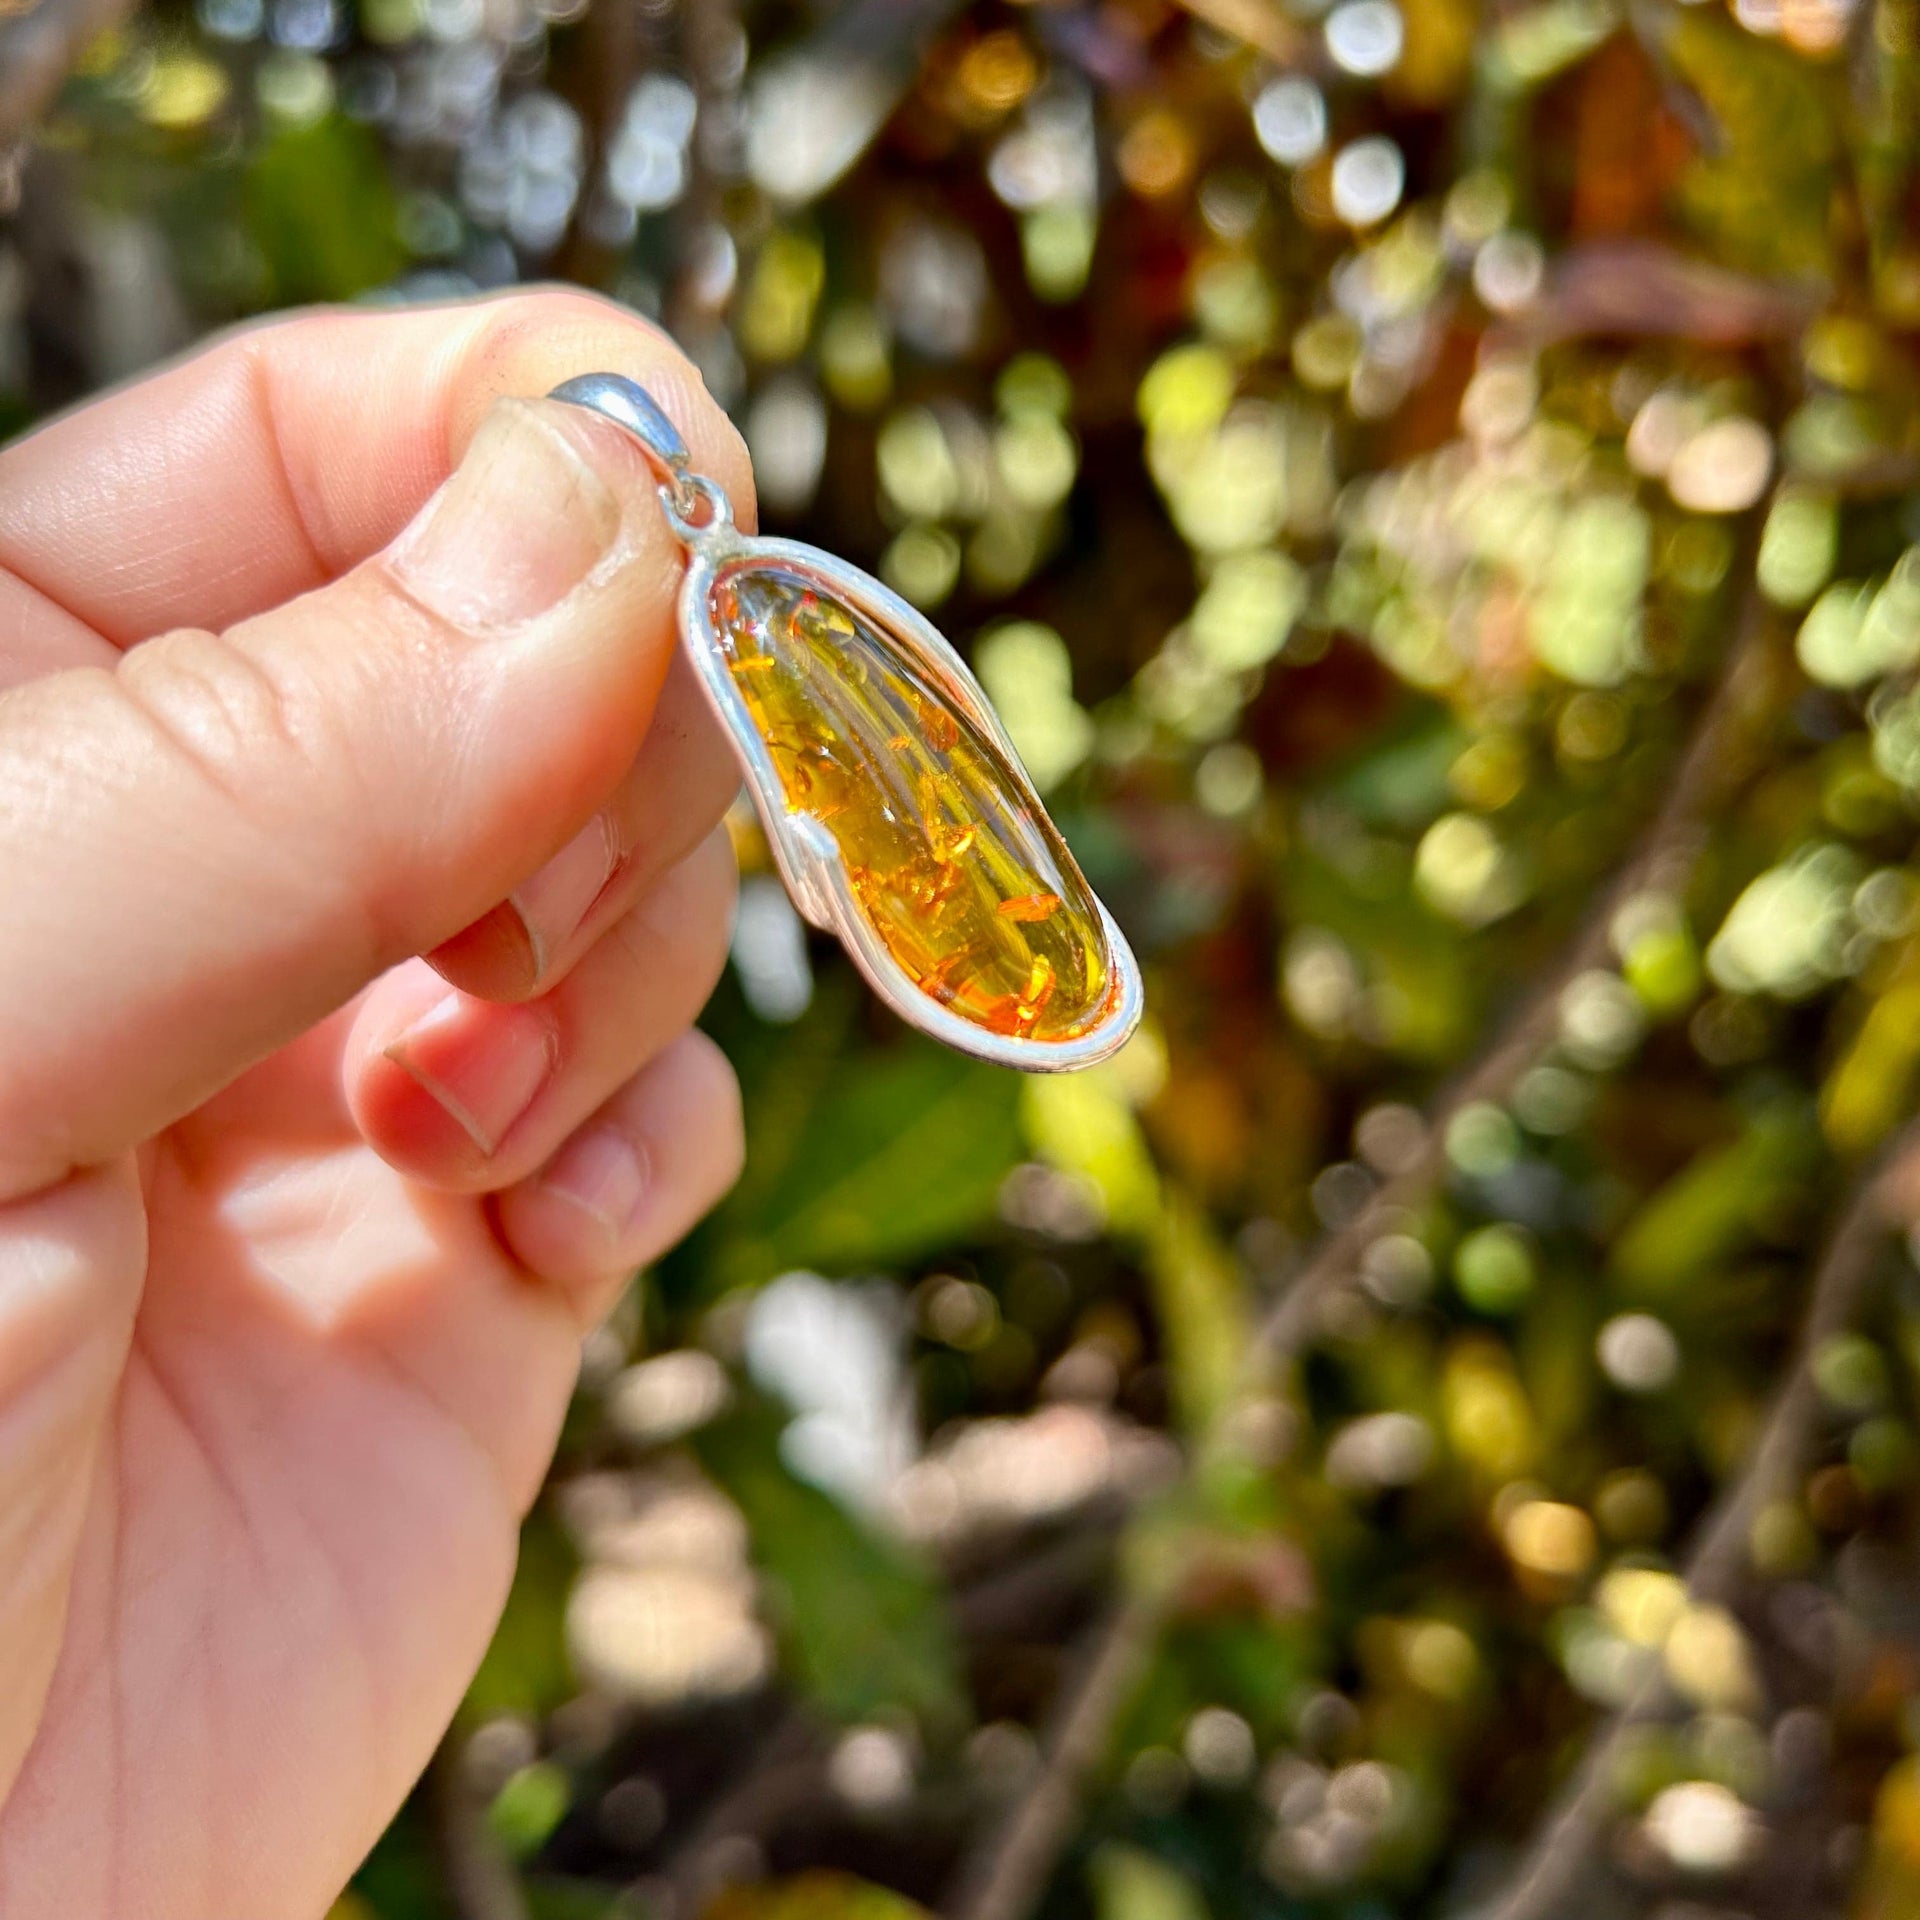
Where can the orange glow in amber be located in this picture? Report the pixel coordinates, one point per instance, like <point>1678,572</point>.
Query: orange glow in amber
<point>953,862</point>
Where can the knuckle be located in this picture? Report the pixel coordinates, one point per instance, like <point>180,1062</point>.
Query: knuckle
<point>220,714</point>
<point>271,750</point>
<point>238,350</point>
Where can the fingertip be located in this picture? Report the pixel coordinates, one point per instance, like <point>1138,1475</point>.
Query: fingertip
<point>437,1081</point>
<point>492,959</point>
<point>471,1095</point>
<point>631,1181</point>
<point>710,1075</point>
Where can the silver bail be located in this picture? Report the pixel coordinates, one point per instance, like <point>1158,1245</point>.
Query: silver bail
<point>628,404</point>
<point>633,407</point>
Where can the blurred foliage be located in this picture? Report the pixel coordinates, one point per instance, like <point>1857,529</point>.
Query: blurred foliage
<point>1355,438</point>
<point>863,1624</point>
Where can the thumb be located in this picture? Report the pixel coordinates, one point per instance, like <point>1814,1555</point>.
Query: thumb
<point>209,848</point>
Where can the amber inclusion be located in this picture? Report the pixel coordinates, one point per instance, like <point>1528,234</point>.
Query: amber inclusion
<point>950,858</point>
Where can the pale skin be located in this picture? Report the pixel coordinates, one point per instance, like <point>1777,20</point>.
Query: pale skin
<point>361,876</point>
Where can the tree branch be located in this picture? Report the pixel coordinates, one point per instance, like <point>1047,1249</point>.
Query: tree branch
<point>38,49</point>
<point>1006,1874</point>
<point>480,1877</point>
<point>1660,863</point>
<point>1262,24</point>
<point>1004,1878</point>
<point>785,1773</point>
<point>1556,1860</point>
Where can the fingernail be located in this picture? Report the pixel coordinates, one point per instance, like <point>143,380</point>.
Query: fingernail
<point>484,1064</point>
<point>603,1171</point>
<point>518,527</point>
<point>552,904</point>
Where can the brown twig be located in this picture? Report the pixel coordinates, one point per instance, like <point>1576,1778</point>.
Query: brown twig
<point>1011,1599</point>
<point>597,76</point>
<point>1263,25</point>
<point>1639,289</point>
<point>480,1877</point>
<point>1003,1877</point>
<point>691,310</point>
<point>1715,1570</point>
<point>1006,1877</point>
<point>1660,864</point>
<point>784,1774</point>
<point>38,49</point>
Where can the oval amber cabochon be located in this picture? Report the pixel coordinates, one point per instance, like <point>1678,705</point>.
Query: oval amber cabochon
<point>949,856</point>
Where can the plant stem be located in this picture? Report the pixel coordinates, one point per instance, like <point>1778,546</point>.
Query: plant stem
<point>1555,1861</point>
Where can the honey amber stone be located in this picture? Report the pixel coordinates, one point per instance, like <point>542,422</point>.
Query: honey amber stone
<point>950,858</point>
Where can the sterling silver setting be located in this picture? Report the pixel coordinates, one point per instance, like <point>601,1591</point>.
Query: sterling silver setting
<point>700,516</point>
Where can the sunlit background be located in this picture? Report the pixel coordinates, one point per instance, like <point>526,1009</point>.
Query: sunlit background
<point>1431,1429</point>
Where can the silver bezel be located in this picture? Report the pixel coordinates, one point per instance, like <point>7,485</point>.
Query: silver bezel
<point>806,852</point>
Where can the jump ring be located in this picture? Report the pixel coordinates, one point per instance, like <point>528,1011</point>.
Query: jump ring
<point>696,508</point>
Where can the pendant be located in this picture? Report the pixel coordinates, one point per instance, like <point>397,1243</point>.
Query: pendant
<point>897,810</point>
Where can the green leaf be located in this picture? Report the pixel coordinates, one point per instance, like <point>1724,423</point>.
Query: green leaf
<point>1871,1087</point>
<point>321,211</point>
<point>401,1878</point>
<point>526,1669</point>
<point>1202,1310</point>
<point>532,1802</point>
<point>551,1899</point>
<point>1131,1884</point>
<point>1706,1212</point>
<point>820,1894</point>
<point>862,1620</point>
<point>1433,1006</point>
<point>1403,780</point>
<point>1762,196</point>
<point>882,1158</point>
<point>1084,1123</point>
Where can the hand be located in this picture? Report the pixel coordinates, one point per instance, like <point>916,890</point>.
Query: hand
<point>299,1233</point>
